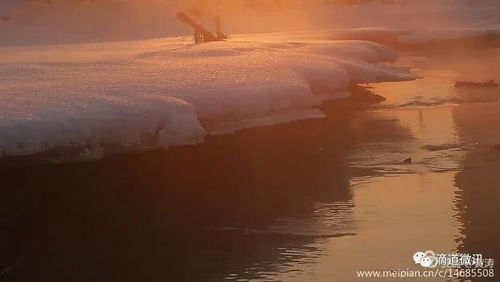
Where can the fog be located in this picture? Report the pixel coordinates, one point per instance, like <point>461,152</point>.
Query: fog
<point>49,21</point>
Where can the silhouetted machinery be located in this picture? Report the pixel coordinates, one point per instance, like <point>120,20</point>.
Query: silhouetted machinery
<point>200,33</point>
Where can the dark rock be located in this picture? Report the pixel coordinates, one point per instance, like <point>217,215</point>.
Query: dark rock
<point>408,161</point>
<point>472,84</point>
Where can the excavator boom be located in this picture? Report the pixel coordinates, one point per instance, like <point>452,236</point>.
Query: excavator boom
<point>200,33</point>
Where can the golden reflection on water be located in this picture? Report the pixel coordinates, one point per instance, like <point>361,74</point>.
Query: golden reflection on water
<point>409,208</point>
<point>442,199</point>
<point>402,207</point>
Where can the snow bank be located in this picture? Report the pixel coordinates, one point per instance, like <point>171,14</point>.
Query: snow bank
<point>419,36</point>
<point>97,98</point>
<point>112,125</point>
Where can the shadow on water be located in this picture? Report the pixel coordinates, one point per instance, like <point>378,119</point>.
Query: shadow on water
<point>195,213</point>
<point>479,181</point>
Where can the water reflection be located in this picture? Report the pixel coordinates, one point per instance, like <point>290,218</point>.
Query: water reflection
<point>479,181</point>
<point>398,207</point>
<point>310,201</point>
<point>236,207</point>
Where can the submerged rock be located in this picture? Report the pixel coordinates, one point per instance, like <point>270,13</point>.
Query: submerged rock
<point>472,84</point>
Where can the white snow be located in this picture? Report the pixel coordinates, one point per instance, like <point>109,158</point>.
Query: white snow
<point>165,92</point>
<point>417,36</point>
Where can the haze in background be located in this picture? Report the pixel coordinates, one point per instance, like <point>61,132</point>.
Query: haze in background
<point>63,21</point>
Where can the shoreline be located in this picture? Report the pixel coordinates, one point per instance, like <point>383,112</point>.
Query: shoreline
<point>228,180</point>
<point>360,98</point>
